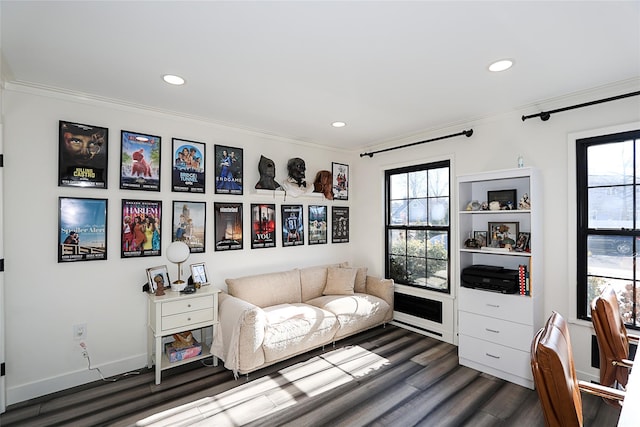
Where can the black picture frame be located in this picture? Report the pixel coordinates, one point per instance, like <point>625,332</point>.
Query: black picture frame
<point>83,154</point>
<point>340,181</point>
<point>339,224</point>
<point>139,161</point>
<point>523,243</point>
<point>82,229</point>
<point>141,234</point>
<point>188,166</point>
<point>501,233</point>
<point>189,223</point>
<point>229,170</point>
<point>317,227</point>
<point>505,197</point>
<point>228,226</point>
<point>292,225</point>
<point>481,238</point>
<point>263,225</point>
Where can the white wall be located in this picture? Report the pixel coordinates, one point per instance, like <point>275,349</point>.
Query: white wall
<point>496,143</point>
<point>44,299</point>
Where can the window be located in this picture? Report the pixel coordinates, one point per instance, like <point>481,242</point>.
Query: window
<point>608,191</point>
<point>417,225</point>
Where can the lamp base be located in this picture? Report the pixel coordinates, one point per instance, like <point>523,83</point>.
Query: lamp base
<point>178,286</point>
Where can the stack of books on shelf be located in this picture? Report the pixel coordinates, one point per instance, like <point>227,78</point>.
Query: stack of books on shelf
<point>523,280</point>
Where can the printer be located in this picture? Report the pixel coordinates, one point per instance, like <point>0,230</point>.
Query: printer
<point>491,278</point>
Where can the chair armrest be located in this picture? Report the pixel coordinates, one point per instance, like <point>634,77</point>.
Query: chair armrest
<point>602,391</point>
<point>635,339</point>
<point>381,288</point>
<point>624,362</point>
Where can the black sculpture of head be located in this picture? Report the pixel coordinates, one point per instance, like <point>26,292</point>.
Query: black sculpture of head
<point>267,170</point>
<point>297,168</point>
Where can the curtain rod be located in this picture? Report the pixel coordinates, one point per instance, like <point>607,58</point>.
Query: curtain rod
<point>467,133</point>
<point>545,115</point>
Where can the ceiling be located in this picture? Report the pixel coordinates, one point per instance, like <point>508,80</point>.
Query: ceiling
<point>389,70</point>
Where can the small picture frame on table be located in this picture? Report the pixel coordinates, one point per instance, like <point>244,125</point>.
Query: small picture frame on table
<point>199,274</point>
<point>523,242</point>
<point>481,238</point>
<point>157,275</point>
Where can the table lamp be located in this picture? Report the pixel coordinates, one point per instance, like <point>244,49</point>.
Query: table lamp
<point>178,252</point>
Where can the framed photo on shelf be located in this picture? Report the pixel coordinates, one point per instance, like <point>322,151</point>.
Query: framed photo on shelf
<point>228,226</point>
<point>502,233</point>
<point>340,184</point>
<point>140,162</point>
<point>188,224</point>
<point>317,225</point>
<point>505,197</point>
<point>199,273</point>
<point>82,155</point>
<point>188,166</point>
<point>263,225</point>
<point>228,161</point>
<point>523,242</point>
<point>141,235</point>
<point>156,276</point>
<point>481,238</point>
<point>292,225</point>
<point>82,229</point>
<point>339,224</point>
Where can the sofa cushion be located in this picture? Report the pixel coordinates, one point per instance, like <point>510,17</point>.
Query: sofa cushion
<point>354,312</point>
<point>268,289</point>
<point>340,281</point>
<point>294,328</point>
<point>312,280</point>
<point>360,286</point>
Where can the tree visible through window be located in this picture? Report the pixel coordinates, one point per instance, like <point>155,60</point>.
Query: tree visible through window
<point>608,189</point>
<point>417,225</point>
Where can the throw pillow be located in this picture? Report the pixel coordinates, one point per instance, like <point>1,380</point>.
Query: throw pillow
<point>340,281</point>
<point>361,280</point>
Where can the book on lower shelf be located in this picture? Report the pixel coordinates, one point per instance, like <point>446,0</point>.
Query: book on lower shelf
<point>523,280</point>
<point>176,353</point>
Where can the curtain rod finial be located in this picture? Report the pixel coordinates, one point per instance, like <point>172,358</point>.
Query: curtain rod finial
<point>366,154</point>
<point>468,133</point>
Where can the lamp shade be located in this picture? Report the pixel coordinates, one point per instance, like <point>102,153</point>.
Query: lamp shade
<point>178,252</point>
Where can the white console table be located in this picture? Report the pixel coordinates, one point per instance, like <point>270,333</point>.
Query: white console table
<point>174,312</point>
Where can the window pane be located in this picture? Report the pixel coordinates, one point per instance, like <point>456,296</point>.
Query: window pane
<point>624,292</point>
<point>418,212</point>
<point>610,164</point>
<point>398,269</point>
<point>398,212</point>
<point>418,184</point>
<point>438,182</point>
<point>437,274</point>
<point>398,185</point>
<point>417,271</point>
<point>397,242</point>
<point>437,245</point>
<point>416,245</point>
<point>609,246</point>
<point>439,211</point>
<point>611,207</point>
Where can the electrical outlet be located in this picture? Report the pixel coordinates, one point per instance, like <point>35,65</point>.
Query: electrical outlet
<point>80,331</point>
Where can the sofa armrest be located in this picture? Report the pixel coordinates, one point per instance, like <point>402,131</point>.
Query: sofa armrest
<point>381,288</point>
<point>242,327</point>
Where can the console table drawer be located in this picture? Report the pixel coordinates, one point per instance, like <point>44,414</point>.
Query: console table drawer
<point>515,308</point>
<point>499,331</point>
<point>182,306</point>
<point>184,320</point>
<point>496,356</point>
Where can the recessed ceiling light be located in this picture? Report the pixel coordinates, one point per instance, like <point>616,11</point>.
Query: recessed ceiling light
<point>338,124</point>
<point>173,80</point>
<point>501,65</point>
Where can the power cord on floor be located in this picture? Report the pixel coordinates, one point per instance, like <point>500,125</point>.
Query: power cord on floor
<point>85,354</point>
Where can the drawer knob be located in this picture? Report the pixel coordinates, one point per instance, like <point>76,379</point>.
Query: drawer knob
<point>188,319</point>
<point>494,305</point>
<point>493,356</point>
<point>492,330</point>
<point>189,305</point>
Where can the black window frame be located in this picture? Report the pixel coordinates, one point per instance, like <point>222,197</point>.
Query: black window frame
<point>408,169</point>
<point>582,226</point>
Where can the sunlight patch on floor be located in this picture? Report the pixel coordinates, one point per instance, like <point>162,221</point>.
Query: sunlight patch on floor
<point>268,395</point>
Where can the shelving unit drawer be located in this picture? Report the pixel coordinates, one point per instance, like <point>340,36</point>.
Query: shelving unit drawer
<point>191,304</point>
<point>496,356</point>
<point>514,308</point>
<point>184,320</point>
<point>514,335</point>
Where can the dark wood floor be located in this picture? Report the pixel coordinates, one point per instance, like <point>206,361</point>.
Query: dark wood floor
<point>382,377</point>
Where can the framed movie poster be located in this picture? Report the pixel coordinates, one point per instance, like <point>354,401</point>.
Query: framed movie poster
<point>228,170</point>
<point>263,226</point>
<point>340,174</point>
<point>317,224</point>
<point>228,226</point>
<point>339,224</point>
<point>292,225</point>
<point>82,155</point>
<point>188,224</point>
<point>140,162</point>
<point>82,229</point>
<point>188,166</point>
<point>141,220</point>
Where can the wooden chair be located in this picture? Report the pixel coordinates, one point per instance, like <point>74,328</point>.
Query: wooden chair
<point>613,340</point>
<point>555,378</point>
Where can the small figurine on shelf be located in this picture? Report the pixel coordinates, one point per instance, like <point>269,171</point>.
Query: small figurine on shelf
<point>524,203</point>
<point>484,206</point>
<point>159,285</point>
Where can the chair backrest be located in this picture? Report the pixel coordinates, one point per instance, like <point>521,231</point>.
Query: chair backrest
<point>554,374</point>
<point>612,338</point>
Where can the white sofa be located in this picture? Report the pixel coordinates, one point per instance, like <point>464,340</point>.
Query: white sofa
<point>270,317</point>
